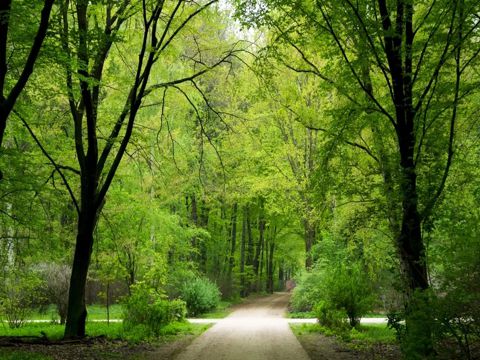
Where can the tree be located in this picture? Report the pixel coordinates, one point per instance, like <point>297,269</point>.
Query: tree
<point>8,97</point>
<point>88,46</point>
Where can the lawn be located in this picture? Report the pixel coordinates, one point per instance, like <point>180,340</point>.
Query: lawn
<point>55,331</point>
<point>95,312</point>
<point>223,309</point>
<point>366,334</point>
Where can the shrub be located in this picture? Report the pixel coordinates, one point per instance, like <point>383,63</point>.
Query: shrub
<point>308,292</point>
<point>458,315</point>
<point>176,279</point>
<point>201,295</point>
<point>331,317</point>
<point>57,281</point>
<point>349,288</point>
<point>19,295</point>
<point>147,311</point>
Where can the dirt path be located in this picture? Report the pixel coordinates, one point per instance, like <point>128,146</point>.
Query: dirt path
<point>255,331</point>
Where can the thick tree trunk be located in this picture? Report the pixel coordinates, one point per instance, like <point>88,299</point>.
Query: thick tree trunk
<point>412,252</point>
<point>77,311</point>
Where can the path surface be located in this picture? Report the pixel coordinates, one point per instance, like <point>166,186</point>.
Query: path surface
<point>255,331</point>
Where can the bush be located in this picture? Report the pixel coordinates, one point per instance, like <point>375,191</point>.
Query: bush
<point>57,281</point>
<point>308,291</point>
<point>145,313</point>
<point>176,280</point>
<point>201,295</point>
<point>458,316</point>
<point>18,297</point>
<point>349,288</point>
<point>333,290</point>
<point>331,317</point>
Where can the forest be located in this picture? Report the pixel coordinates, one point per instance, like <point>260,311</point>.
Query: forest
<point>160,158</point>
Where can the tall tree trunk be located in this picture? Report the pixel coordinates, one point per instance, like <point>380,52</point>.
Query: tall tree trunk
<point>233,241</point>
<point>203,222</point>
<point>309,237</point>
<point>281,275</point>
<point>194,219</point>
<point>271,268</point>
<point>261,232</point>
<point>250,248</point>
<point>77,311</point>
<point>243,290</point>
<point>412,254</point>
<point>259,246</point>
<point>409,241</point>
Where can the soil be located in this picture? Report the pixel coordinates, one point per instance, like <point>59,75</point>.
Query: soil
<point>106,350</point>
<point>321,347</point>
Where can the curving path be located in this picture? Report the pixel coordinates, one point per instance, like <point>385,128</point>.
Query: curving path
<point>255,331</point>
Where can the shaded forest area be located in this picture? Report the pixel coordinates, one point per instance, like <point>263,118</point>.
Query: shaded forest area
<point>154,153</point>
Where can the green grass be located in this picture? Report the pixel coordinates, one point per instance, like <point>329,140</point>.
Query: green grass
<point>223,310</point>
<point>114,331</point>
<point>301,315</point>
<point>374,333</point>
<point>99,312</point>
<point>10,354</point>
<point>364,334</point>
<point>183,328</point>
<point>95,312</point>
<point>301,329</point>
<point>311,315</point>
<point>55,331</point>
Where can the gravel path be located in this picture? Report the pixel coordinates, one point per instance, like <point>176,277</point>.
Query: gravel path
<point>255,331</point>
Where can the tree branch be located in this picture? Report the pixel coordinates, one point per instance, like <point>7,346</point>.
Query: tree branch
<point>47,155</point>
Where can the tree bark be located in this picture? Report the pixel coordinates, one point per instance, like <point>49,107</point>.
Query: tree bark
<point>261,232</point>
<point>243,285</point>
<point>194,218</point>
<point>77,311</point>
<point>271,269</point>
<point>233,241</point>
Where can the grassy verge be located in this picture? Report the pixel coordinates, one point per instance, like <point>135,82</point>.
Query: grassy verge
<point>362,335</point>
<point>113,331</point>
<point>223,309</point>
<point>311,315</point>
<point>301,315</point>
